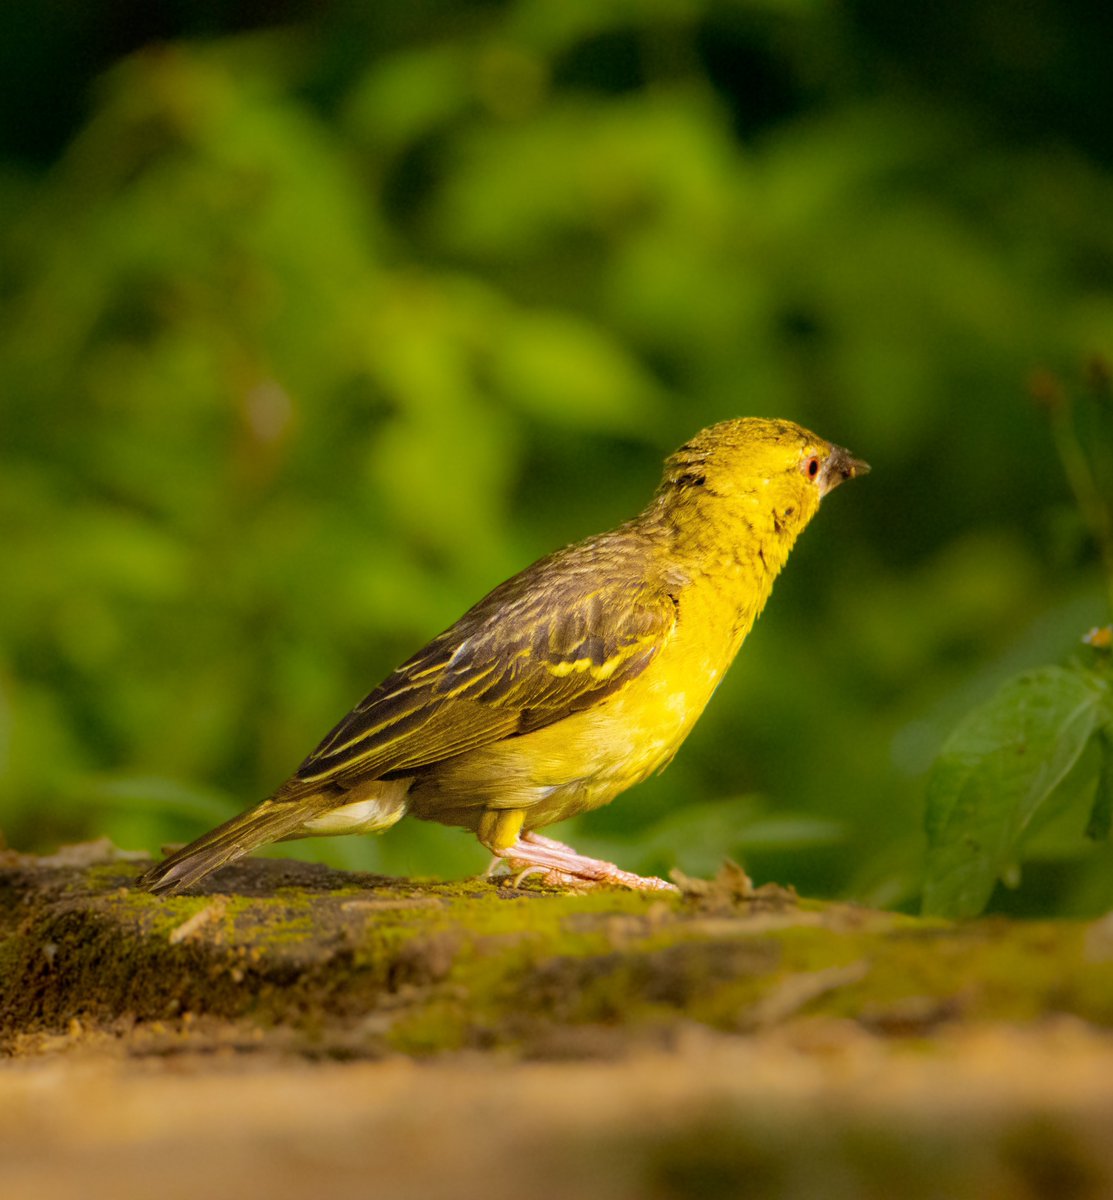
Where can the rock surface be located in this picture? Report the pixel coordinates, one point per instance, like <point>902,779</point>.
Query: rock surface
<point>318,1032</point>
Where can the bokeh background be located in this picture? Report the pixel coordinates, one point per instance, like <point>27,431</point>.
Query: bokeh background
<point>318,319</point>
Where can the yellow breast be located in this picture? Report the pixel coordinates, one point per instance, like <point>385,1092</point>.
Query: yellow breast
<point>637,731</point>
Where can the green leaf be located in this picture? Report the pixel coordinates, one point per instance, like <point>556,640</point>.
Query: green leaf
<point>1003,766</point>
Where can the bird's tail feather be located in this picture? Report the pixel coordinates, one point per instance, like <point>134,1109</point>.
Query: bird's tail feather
<point>270,821</point>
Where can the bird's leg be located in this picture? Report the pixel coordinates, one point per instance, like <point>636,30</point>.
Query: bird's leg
<point>561,866</point>
<point>539,839</point>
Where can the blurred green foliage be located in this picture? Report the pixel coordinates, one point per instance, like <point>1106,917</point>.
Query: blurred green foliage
<point>312,332</point>
<point>1038,755</point>
<point>1037,752</point>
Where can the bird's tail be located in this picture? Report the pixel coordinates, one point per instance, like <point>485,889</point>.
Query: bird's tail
<point>270,821</point>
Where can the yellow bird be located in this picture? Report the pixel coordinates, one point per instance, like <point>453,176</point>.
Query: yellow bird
<point>568,683</point>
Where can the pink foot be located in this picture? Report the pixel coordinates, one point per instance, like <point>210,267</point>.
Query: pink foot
<point>560,866</point>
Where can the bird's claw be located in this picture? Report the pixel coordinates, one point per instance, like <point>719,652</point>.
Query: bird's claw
<point>561,867</point>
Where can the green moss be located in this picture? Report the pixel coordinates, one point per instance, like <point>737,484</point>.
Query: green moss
<point>425,968</point>
<point>106,875</point>
<point>437,1028</point>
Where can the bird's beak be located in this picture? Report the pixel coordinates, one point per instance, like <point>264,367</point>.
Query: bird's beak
<point>840,466</point>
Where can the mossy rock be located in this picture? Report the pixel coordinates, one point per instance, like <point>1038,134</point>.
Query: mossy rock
<point>334,963</point>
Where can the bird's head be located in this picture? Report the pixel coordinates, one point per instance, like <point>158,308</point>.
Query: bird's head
<point>759,478</point>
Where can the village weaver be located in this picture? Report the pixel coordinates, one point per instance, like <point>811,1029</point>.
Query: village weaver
<point>568,683</point>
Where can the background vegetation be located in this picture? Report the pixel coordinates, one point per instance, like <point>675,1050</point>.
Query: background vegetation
<point>312,331</point>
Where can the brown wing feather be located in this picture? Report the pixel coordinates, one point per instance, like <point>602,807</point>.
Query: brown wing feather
<point>567,632</point>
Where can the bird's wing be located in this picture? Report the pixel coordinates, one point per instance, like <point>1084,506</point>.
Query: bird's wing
<point>546,644</point>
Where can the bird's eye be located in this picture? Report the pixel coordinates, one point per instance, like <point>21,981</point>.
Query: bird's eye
<point>810,466</point>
